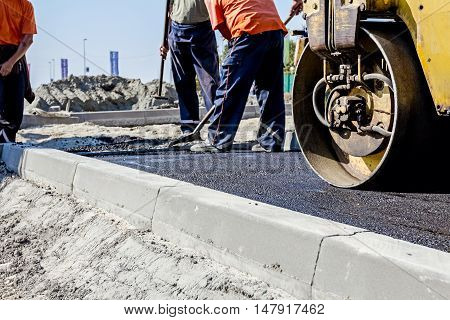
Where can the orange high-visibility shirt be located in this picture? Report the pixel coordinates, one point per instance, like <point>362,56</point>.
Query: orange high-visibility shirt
<point>16,20</point>
<point>245,16</point>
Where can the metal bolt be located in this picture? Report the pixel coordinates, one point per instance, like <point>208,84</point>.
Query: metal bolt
<point>379,85</point>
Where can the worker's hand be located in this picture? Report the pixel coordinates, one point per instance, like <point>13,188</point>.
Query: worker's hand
<point>6,68</point>
<point>163,51</point>
<point>297,7</point>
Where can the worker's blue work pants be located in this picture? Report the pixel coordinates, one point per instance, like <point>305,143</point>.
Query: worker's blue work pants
<point>194,52</point>
<point>12,93</point>
<point>251,59</point>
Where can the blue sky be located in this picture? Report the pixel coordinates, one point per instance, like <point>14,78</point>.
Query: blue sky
<point>132,27</point>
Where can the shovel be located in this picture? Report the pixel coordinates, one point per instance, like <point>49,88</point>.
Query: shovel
<point>192,136</point>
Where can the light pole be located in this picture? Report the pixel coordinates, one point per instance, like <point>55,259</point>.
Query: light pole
<point>84,56</point>
<point>54,68</point>
<point>51,73</point>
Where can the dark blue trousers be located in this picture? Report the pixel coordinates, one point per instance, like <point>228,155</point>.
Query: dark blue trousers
<point>12,92</point>
<point>251,59</point>
<point>194,53</point>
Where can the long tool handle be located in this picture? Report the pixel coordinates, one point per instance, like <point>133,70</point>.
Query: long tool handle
<point>161,77</point>
<point>286,22</point>
<point>205,119</point>
<point>165,43</point>
<point>291,16</point>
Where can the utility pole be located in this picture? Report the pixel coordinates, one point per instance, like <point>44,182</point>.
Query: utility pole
<point>84,56</point>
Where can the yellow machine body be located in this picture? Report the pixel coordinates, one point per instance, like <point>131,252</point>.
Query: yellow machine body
<point>427,21</point>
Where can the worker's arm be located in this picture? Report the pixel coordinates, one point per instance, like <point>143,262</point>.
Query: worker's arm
<point>223,29</point>
<point>25,44</point>
<point>217,16</point>
<point>297,7</point>
<point>163,51</point>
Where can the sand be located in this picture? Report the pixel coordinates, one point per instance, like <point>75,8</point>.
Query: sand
<point>67,137</point>
<point>58,247</point>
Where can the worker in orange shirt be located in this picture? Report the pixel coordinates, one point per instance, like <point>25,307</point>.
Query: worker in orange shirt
<point>17,27</point>
<point>256,40</point>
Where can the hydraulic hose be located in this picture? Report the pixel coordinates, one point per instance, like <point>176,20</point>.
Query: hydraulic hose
<point>377,129</point>
<point>380,77</point>
<point>381,131</point>
<point>388,82</point>
<point>319,86</point>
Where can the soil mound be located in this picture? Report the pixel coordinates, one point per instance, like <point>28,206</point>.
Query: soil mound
<point>101,93</point>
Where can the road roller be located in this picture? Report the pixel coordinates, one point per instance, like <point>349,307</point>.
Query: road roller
<point>371,95</point>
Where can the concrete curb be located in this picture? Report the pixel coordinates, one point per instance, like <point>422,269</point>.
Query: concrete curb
<point>125,118</point>
<point>306,256</point>
<point>371,266</point>
<point>131,194</point>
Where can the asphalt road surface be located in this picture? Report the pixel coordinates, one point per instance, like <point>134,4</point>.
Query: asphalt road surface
<point>285,180</point>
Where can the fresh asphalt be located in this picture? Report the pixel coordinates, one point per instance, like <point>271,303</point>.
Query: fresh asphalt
<point>285,180</point>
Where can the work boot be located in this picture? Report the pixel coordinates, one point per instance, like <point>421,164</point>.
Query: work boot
<point>206,147</point>
<point>259,148</point>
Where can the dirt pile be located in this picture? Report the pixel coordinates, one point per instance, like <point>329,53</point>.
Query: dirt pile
<point>101,93</point>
